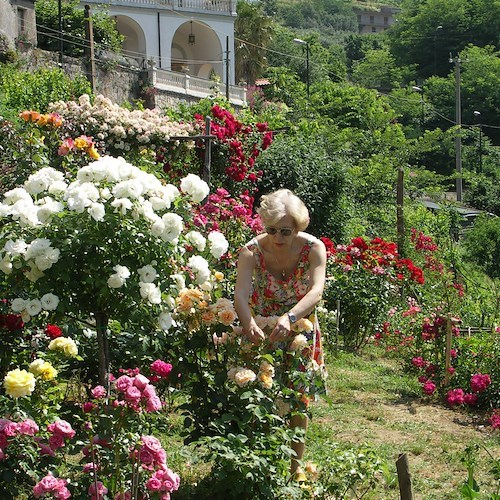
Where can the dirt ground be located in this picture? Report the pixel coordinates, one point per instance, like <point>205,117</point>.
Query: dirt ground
<point>432,436</point>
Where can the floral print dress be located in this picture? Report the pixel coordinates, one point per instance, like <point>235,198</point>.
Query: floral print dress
<point>274,297</point>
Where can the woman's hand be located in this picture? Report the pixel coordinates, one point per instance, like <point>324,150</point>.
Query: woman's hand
<point>253,333</point>
<point>282,330</point>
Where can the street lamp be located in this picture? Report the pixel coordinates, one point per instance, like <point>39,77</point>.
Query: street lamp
<point>421,92</point>
<point>436,32</point>
<point>458,119</point>
<point>302,42</point>
<point>477,116</point>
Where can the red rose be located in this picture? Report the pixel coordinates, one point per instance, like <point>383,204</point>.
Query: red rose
<point>53,331</point>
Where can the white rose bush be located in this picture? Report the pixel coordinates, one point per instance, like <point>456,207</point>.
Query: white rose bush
<point>108,254</point>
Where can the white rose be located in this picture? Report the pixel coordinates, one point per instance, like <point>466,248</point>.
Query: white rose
<point>49,301</point>
<point>165,320</point>
<point>169,301</point>
<point>147,274</point>
<point>18,305</point>
<point>218,244</point>
<point>173,226</point>
<point>121,205</point>
<point>150,292</point>
<point>15,248</point>
<point>33,307</point>
<point>115,281</point>
<point>197,240</point>
<point>36,247</point>
<point>158,228</point>
<point>200,267</point>
<point>97,211</point>
<point>122,271</point>
<point>195,187</point>
<point>6,265</point>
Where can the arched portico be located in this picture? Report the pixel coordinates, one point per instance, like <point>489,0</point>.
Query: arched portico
<point>197,50</point>
<point>134,44</point>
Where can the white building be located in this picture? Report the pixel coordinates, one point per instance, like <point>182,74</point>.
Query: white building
<point>185,40</point>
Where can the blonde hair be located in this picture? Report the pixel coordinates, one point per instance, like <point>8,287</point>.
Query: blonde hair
<point>281,203</point>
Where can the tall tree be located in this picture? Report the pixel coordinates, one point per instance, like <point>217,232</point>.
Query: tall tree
<point>253,34</point>
<point>427,32</point>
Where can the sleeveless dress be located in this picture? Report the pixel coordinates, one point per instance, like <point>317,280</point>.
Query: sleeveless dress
<point>271,296</point>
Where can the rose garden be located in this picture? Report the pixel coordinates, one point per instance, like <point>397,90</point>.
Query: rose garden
<point>117,265</point>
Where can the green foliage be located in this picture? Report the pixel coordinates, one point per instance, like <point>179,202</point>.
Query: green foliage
<point>106,37</point>
<point>470,489</point>
<point>251,25</point>
<point>318,15</point>
<point>349,472</point>
<point>301,163</point>
<point>426,32</point>
<point>482,245</point>
<point>23,90</point>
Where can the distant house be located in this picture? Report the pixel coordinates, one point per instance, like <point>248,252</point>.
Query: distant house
<point>190,43</point>
<point>375,19</point>
<point>17,22</point>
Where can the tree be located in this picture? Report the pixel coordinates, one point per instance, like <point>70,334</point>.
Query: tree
<point>106,35</point>
<point>482,245</point>
<point>427,32</point>
<point>253,34</point>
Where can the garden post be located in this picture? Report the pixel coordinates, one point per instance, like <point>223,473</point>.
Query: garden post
<point>404,477</point>
<point>399,213</point>
<point>447,356</point>
<point>102,344</point>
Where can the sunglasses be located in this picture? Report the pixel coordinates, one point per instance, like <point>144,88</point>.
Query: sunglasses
<point>285,231</point>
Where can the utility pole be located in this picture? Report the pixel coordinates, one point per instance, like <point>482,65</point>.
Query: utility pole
<point>477,116</point>
<point>458,120</point>
<point>89,48</point>
<point>227,68</point>
<point>61,44</point>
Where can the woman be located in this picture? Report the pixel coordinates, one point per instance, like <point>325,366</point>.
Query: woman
<point>282,273</point>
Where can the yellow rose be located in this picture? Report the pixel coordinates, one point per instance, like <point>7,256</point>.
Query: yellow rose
<point>266,380</point>
<point>244,376</point>
<point>64,344</point>
<point>92,152</point>
<point>227,317</point>
<point>218,276</point>
<point>298,343</point>
<point>19,383</point>
<point>43,369</point>
<point>266,367</point>
<point>303,325</point>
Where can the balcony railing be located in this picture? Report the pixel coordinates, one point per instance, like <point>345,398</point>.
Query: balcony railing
<point>182,84</point>
<point>218,6</point>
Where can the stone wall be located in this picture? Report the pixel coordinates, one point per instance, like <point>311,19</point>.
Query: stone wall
<point>119,80</point>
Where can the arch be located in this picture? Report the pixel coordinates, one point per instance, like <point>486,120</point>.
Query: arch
<point>201,57</point>
<point>134,43</point>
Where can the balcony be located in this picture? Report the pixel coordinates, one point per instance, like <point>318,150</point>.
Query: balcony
<point>182,84</point>
<point>222,7</point>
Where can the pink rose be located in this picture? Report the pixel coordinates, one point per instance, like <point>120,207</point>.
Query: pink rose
<point>455,397</point>
<point>97,490</point>
<point>11,429</point>
<point>133,394</point>
<point>56,441</point>
<point>146,457</point>
<point>429,387</point>
<point>28,427</point>
<point>153,484</point>
<point>479,382</point>
<point>61,427</point>
<point>471,399</point>
<point>149,391</point>
<point>153,404</point>
<point>48,482</point>
<point>140,381</point>
<point>161,368</point>
<point>170,477</point>
<point>98,392</point>
<point>151,443</point>
<point>88,406</point>
<point>123,382</point>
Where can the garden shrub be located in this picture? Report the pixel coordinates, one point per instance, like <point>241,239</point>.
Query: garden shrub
<point>23,90</point>
<point>301,164</point>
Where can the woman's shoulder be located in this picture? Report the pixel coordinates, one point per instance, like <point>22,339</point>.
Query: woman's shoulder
<point>310,241</point>
<point>253,245</point>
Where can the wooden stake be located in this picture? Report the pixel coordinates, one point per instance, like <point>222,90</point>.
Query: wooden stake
<point>404,478</point>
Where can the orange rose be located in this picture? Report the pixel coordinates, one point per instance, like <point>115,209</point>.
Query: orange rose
<point>227,317</point>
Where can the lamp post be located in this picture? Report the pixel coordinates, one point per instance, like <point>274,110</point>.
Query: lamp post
<point>477,117</point>
<point>436,32</point>
<point>420,90</point>
<point>302,42</point>
<point>458,119</point>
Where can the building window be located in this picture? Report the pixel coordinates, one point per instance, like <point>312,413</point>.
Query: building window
<point>359,18</point>
<point>386,21</point>
<point>374,29</point>
<point>21,20</point>
<point>372,19</point>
